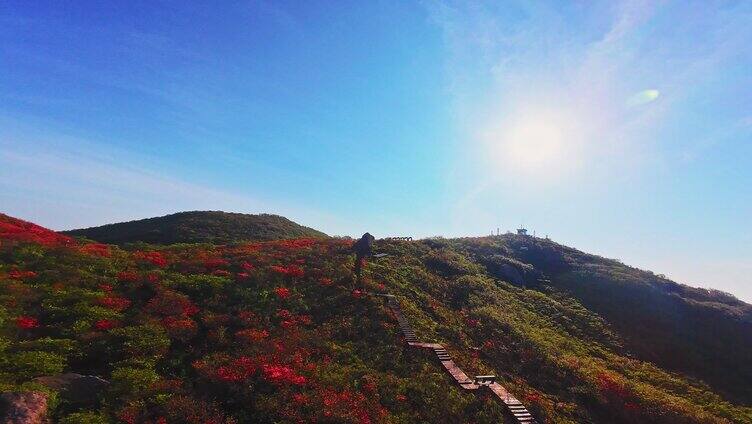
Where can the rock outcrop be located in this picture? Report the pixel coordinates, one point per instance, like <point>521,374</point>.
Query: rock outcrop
<point>23,408</point>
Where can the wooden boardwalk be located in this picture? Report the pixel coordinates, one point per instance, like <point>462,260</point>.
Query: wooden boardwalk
<point>515,407</point>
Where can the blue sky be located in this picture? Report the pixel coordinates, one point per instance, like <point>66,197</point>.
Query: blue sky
<point>620,128</point>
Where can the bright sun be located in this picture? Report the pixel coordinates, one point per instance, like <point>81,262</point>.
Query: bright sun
<point>534,144</point>
<point>538,143</point>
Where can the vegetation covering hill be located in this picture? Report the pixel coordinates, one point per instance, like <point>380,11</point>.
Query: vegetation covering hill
<point>276,332</point>
<point>198,227</point>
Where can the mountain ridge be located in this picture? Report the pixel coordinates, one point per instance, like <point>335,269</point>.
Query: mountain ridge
<point>198,227</point>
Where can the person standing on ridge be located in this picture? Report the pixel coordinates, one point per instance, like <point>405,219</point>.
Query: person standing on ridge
<point>363,248</point>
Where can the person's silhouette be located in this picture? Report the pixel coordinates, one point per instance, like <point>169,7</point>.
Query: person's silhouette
<point>363,248</point>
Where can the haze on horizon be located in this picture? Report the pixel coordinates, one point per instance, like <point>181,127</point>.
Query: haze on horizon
<point>621,128</point>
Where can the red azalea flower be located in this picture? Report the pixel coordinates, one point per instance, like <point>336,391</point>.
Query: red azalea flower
<point>280,374</point>
<point>291,270</point>
<point>215,263</point>
<point>282,292</point>
<point>155,258</point>
<point>278,269</point>
<point>20,275</point>
<point>325,281</point>
<point>115,303</point>
<point>127,276</point>
<point>252,335</point>
<point>27,323</point>
<point>247,267</point>
<point>105,324</point>
<point>295,271</point>
<point>96,249</point>
<point>357,294</point>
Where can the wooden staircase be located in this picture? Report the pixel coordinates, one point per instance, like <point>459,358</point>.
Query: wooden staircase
<point>515,407</point>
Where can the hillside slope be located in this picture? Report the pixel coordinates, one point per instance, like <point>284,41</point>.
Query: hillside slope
<point>703,333</point>
<point>198,227</point>
<point>277,332</point>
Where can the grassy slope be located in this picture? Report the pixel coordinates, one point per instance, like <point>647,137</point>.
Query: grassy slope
<point>703,333</point>
<point>198,227</point>
<point>195,316</point>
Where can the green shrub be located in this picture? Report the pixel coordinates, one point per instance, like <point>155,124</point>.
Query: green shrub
<point>143,341</point>
<point>85,418</point>
<point>132,382</point>
<point>32,364</point>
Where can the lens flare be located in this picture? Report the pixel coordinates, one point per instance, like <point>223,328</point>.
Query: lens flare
<point>643,97</point>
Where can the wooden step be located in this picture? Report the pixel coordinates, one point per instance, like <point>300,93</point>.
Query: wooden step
<point>516,408</point>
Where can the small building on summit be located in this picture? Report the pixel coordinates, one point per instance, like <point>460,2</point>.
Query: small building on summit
<point>522,231</point>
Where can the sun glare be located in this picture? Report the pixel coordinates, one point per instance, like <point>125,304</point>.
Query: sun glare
<point>534,144</point>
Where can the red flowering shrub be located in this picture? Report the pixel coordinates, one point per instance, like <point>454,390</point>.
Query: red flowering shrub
<point>291,270</point>
<point>27,323</point>
<point>214,263</point>
<point>12,229</point>
<point>179,327</point>
<point>20,275</point>
<point>282,292</point>
<point>247,267</point>
<point>105,324</point>
<point>96,249</point>
<point>251,335</point>
<point>291,244</point>
<point>610,386</point>
<point>115,303</point>
<point>170,303</point>
<point>325,281</point>
<point>127,276</point>
<point>153,257</point>
<point>345,406</point>
<point>278,269</point>
<point>280,374</point>
<point>532,398</point>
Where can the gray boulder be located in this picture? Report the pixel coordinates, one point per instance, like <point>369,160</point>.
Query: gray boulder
<point>75,388</point>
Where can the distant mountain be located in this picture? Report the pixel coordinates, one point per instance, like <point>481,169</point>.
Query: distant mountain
<point>198,227</point>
